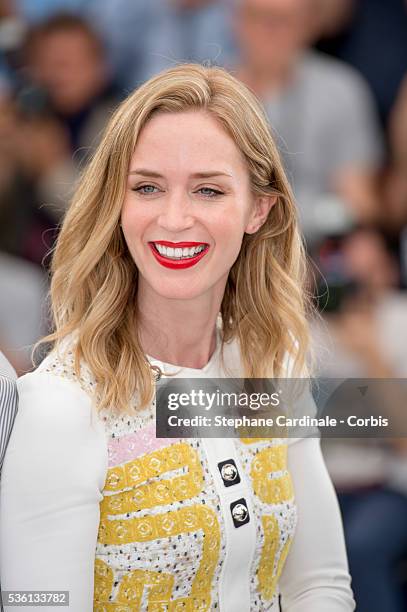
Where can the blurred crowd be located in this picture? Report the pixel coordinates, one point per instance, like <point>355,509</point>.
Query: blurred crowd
<point>332,75</point>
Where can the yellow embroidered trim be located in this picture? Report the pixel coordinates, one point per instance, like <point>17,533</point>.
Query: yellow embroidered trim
<point>132,587</point>
<point>156,493</point>
<point>266,576</point>
<point>154,464</point>
<point>271,490</point>
<point>189,519</point>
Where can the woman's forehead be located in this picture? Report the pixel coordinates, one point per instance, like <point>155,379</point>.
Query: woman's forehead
<point>193,140</point>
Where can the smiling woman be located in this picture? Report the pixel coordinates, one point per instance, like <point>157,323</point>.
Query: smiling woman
<point>169,148</point>
<point>179,256</point>
<point>199,188</point>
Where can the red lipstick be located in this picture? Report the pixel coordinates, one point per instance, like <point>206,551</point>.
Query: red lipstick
<point>178,264</point>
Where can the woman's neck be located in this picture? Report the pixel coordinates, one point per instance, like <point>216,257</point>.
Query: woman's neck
<point>176,331</point>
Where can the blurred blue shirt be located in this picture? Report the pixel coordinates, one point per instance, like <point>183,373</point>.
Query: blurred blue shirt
<point>37,10</point>
<point>148,36</point>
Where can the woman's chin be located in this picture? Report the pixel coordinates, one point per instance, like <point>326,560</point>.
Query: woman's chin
<point>178,293</point>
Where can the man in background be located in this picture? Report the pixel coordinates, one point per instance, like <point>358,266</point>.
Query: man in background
<point>8,408</point>
<point>320,109</point>
<point>8,403</point>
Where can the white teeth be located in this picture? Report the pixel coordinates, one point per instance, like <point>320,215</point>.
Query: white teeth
<point>178,253</point>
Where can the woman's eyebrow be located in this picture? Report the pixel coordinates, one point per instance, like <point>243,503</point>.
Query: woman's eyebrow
<point>210,173</point>
<point>152,173</point>
<point>145,172</point>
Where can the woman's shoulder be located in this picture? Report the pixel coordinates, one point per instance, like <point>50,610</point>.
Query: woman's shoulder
<point>57,433</point>
<point>58,367</point>
<point>54,395</point>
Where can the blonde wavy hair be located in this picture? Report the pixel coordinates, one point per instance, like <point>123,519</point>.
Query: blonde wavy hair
<point>94,278</point>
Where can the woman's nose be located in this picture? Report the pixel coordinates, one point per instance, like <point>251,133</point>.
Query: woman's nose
<point>176,213</point>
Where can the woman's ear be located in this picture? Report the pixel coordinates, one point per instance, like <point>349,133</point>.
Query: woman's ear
<point>259,213</point>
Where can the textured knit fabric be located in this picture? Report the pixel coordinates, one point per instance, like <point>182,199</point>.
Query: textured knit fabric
<point>126,521</point>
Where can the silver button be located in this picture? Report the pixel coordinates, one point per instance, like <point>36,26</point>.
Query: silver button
<point>229,472</point>
<point>239,513</point>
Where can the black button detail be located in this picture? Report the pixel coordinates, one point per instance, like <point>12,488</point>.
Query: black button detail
<point>229,472</point>
<point>240,513</point>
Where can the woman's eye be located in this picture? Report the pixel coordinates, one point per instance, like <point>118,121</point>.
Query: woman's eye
<point>145,189</point>
<point>210,192</point>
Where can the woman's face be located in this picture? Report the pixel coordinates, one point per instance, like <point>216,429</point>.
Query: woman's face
<point>187,206</point>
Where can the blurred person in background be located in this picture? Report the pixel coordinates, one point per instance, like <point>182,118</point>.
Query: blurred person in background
<point>366,330</point>
<point>35,11</point>
<point>8,403</point>
<point>65,59</point>
<point>33,152</point>
<point>398,158</point>
<point>51,120</point>
<point>395,183</point>
<point>23,315</point>
<point>25,152</point>
<point>320,110</point>
<point>148,36</point>
<point>32,147</point>
<point>8,409</point>
<point>12,31</point>
<point>371,36</point>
